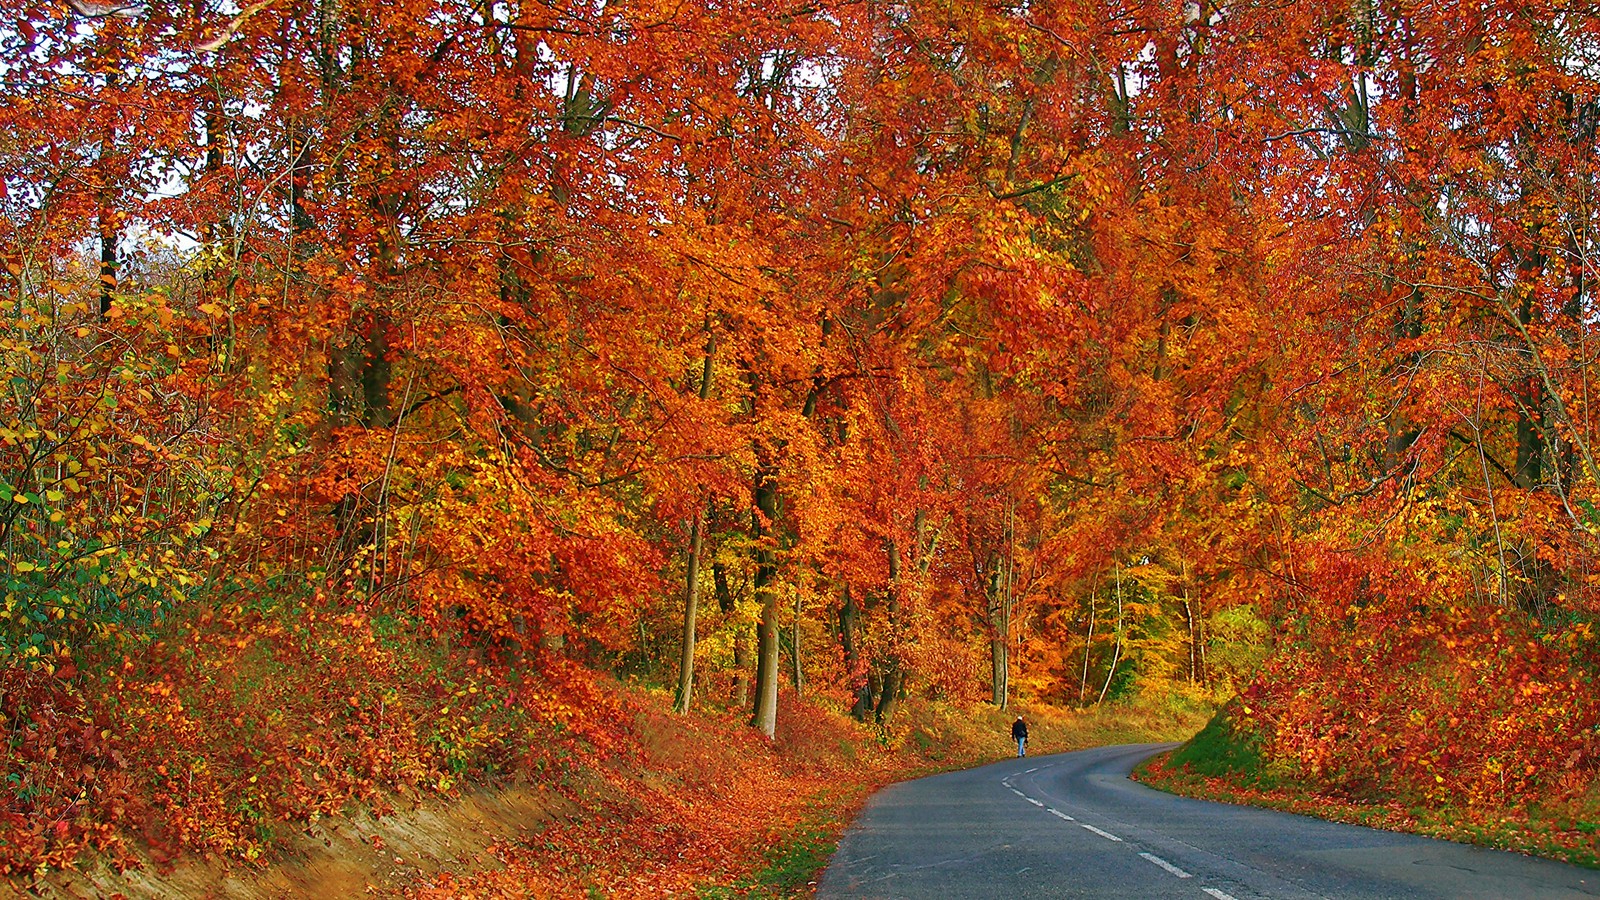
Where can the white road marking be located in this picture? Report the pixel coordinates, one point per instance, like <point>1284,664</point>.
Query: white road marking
<point>1033,801</point>
<point>1219,894</point>
<point>1107,835</point>
<point>1166,865</point>
<point>1031,771</point>
<point>1057,812</point>
<point>1018,793</point>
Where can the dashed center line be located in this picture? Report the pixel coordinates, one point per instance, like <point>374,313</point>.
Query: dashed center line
<point>1031,771</point>
<point>1169,867</point>
<point>1103,833</point>
<point>1166,865</point>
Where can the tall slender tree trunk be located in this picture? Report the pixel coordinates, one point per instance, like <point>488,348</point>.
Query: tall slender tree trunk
<point>108,256</point>
<point>999,629</point>
<point>1531,429</point>
<point>765,715</point>
<point>691,592</point>
<point>861,685</point>
<point>1530,420</point>
<point>894,673</point>
<point>218,232</point>
<point>1116,651</point>
<point>386,204</point>
<point>798,672</point>
<point>691,602</point>
<point>1000,587</point>
<point>376,373</point>
<point>106,220</point>
<point>1088,643</point>
<point>1192,618</point>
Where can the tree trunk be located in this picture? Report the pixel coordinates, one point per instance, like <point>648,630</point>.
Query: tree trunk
<point>691,602</point>
<point>218,232</point>
<point>1194,625</point>
<point>108,253</point>
<point>999,628</point>
<point>1530,436</point>
<point>849,618</point>
<point>1088,643</point>
<point>344,371</point>
<point>106,215</point>
<point>741,640</point>
<point>386,204</point>
<point>765,715</point>
<point>794,646</point>
<point>1402,434</point>
<point>691,593</point>
<point>1116,652</point>
<point>894,681</point>
<point>1002,566</point>
<point>894,674</point>
<point>1530,408</point>
<point>376,372</point>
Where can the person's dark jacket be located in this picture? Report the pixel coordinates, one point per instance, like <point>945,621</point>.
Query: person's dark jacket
<point>1019,730</point>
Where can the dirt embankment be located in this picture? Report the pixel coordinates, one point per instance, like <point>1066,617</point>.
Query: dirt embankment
<point>358,856</point>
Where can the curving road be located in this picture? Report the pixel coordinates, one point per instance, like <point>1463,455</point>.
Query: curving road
<point>1073,825</point>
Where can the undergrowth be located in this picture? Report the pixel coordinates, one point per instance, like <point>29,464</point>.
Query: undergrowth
<point>222,735</point>
<point>1225,762</point>
<point>213,734</point>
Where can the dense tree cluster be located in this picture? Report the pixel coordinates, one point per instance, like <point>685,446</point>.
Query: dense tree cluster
<point>1073,349</point>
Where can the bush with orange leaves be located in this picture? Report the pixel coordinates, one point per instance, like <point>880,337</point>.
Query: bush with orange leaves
<point>213,733</point>
<point>1470,723</point>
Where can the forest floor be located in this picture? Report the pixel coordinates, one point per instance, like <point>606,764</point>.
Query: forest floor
<point>695,805</point>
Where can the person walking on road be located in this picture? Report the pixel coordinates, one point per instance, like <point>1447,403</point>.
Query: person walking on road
<point>1019,733</point>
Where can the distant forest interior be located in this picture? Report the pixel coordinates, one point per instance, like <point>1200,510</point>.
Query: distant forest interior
<point>401,397</point>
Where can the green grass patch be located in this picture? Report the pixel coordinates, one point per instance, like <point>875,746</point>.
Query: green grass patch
<point>1221,749</point>
<point>798,861</point>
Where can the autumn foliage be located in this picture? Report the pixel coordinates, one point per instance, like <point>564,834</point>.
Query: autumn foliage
<point>379,376</point>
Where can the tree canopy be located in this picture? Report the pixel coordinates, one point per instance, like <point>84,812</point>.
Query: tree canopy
<point>1074,349</point>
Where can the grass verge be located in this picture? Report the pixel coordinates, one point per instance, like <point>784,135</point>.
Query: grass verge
<point>1227,765</point>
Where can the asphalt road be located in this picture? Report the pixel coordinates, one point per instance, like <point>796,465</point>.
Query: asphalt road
<point>1073,825</point>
